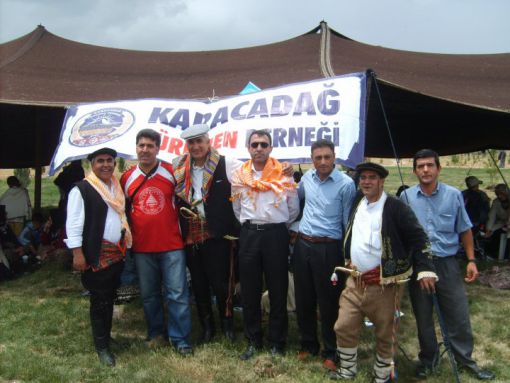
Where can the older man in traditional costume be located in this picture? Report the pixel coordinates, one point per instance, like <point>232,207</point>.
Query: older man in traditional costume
<point>208,226</point>
<point>98,235</point>
<point>383,244</point>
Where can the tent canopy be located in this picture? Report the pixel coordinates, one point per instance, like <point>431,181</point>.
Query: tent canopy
<point>452,103</point>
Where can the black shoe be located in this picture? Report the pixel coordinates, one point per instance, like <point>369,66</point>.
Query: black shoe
<point>478,373</point>
<point>277,351</point>
<point>335,375</point>
<point>423,371</point>
<point>106,357</point>
<point>119,343</point>
<point>185,351</point>
<point>230,335</point>
<point>227,326</point>
<point>206,336</point>
<point>250,351</point>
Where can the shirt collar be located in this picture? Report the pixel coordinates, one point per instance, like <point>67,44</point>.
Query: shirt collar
<point>380,201</point>
<point>437,190</point>
<point>332,176</point>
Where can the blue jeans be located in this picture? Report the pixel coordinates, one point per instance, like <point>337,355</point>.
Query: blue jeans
<point>168,268</point>
<point>129,275</point>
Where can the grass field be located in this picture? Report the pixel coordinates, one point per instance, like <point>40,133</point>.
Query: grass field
<point>45,333</point>
<point>45,337</point>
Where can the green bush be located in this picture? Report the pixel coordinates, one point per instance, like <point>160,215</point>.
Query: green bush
<point>23,175</point>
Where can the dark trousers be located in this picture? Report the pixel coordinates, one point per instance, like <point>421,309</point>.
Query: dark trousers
<point>453,303</point>
<point>264,253</point>
<point>209,266</point>
<point>313,265</point>
<point>102,286</point>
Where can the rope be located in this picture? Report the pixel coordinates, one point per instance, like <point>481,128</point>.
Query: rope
<point>446,340</point>
<point>349,368</point>
<point>397,159</point>
<point>34,39</point>
<point>394,329</point>
<point>325,51</point>
<point>231,284</point>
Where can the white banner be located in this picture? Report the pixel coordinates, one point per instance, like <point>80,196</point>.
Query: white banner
<point>295,115</point>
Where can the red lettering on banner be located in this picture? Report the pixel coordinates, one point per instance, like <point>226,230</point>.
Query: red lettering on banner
<point>224,140</point>
<point>175,146</point>
<point>217,140</point>
<point>230,139</point>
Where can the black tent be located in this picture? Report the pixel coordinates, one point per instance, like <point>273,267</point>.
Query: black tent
<point>453,103</point>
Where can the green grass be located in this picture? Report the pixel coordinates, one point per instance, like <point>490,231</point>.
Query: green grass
<point>45,337</point>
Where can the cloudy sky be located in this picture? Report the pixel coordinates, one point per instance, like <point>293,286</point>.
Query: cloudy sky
<point>442,26</point>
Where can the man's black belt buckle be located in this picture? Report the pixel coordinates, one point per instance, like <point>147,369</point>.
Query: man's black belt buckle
<point>260,226</point>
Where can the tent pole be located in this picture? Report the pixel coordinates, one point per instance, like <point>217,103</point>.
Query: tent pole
<point>37,188</point>
<point>497,167</point>
<point>38,168</point>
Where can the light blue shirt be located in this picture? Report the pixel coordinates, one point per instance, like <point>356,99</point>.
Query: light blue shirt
<point>442,215</point>
<point>327,203</point>
<point>30,235</point>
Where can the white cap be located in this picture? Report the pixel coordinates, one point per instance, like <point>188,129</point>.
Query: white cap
<point>194,131</point>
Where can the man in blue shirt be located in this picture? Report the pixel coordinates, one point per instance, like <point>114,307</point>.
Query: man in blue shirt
<point>328,196</point>
<point>440,210</point>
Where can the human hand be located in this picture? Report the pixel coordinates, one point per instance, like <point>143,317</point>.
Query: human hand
<point>47,225</point>
<point>288,170</point>
<point>79,262</point>
<point>428,284</point>
<point>471,272</point>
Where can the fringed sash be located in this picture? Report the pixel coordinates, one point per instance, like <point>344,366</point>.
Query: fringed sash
<point>182,173</point>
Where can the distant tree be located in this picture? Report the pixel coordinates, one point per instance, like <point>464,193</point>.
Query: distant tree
<point>121,164</point>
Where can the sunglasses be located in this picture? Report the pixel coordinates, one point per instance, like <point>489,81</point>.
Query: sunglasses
<point>264,145</point>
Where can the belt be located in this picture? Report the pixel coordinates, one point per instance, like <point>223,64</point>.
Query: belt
<point>440,258</point>
<point>262,226</point>
<point>313,239</point>
<point>372,277</point>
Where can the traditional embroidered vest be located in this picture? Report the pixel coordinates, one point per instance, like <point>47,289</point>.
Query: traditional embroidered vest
<point>218,208</point>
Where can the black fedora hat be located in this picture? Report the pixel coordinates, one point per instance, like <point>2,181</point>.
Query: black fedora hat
<point>381,170</point>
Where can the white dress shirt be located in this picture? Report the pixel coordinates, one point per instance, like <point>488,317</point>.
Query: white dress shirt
<point>76,220</point>
<point>266,207</point>
<point>366,246</point>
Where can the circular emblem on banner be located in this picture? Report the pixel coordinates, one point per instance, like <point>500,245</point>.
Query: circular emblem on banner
<point>151,200</point>
<point>101,126</point>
